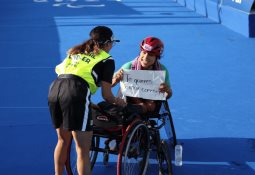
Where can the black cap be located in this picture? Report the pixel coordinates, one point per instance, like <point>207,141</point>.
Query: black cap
<point>102,34</point>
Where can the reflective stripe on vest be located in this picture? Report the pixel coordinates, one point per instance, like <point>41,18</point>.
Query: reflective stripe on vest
<point>82,65</point>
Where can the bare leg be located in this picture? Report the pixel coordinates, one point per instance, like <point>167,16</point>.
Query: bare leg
<point>138,101</point>
<point>83,142</point>
<point>60,153</point>
<point>150,105</point>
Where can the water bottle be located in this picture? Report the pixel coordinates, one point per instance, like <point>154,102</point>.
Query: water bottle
<point>178,155</point>
<point>112,144</point>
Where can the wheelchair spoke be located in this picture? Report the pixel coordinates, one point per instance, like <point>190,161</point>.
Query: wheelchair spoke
<point>164,159</point>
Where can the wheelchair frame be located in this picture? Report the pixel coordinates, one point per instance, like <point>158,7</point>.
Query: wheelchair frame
<point>130,148</point>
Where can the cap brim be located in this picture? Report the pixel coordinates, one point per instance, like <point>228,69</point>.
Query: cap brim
<point>116,40</point>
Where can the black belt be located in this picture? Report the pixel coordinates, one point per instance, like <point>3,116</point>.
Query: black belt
<point>74,77</point>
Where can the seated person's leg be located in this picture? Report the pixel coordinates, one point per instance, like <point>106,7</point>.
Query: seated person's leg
<point>150,105</point>
<point>146,105</point>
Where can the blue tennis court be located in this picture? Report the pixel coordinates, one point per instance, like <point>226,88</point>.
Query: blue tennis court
<point>209,52</point>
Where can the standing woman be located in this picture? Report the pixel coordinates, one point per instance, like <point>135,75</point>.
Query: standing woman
<point>87,67</point>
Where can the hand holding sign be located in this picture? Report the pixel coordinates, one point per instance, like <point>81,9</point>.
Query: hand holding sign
<point>143,84</point>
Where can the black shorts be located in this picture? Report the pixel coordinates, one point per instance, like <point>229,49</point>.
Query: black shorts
<point>69,103</point>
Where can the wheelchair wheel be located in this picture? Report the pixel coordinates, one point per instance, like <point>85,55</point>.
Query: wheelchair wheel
<point>164,160</point>
<point>134,150</point>
<point>93,153</point>
<point>71,163</point>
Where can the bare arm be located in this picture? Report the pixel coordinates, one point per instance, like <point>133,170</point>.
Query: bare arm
<point>107,92</point>
<point>109,97</point>
<point>117,77</point>
<point>165,88</point>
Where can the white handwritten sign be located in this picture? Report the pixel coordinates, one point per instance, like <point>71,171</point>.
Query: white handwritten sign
<point>143,84</point>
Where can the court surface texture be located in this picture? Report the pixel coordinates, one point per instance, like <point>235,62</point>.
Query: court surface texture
<point>211,72</point>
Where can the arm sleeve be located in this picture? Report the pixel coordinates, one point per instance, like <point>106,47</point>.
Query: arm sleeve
<point>167,80</point>
<point>127,65</point>
<point>108,70</point>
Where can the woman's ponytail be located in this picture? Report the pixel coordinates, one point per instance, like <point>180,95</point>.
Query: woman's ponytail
<point>85,47</point>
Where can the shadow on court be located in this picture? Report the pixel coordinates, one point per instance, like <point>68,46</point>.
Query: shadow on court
<point>221,156</point>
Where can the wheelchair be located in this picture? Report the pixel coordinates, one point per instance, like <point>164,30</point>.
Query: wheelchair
<point>136,137</point>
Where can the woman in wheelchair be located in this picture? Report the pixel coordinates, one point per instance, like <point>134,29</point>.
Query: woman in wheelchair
<point>151,49</point>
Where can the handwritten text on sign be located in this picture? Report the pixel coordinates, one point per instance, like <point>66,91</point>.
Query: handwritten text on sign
<point>143,84</point>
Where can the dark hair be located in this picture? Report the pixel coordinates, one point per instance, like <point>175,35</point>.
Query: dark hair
<point>99,36</point>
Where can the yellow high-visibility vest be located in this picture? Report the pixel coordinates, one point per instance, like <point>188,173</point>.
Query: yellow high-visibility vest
<point>82,66</point>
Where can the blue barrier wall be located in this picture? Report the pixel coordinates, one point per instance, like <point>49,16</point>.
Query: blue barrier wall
<point>238,15</point>
<point>243,5</point>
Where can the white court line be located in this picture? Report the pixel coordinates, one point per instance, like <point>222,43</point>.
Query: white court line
<point>77,6</point>
<point>83,6</point>
<point>205,163</point>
